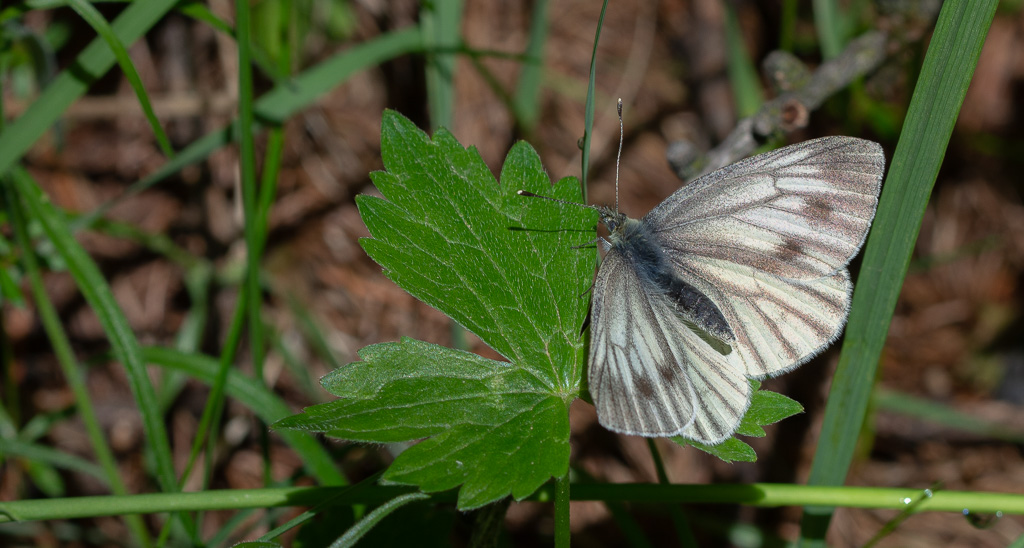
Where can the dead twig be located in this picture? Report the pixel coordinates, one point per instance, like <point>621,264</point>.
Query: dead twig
<point>802,92</point>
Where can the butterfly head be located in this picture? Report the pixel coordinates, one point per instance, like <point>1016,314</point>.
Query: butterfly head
<point>615,221</point>
<point>612,219</point>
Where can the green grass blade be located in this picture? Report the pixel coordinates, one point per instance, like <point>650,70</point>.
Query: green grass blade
<point>160,244</point>
<point>762,495</point>
<point>51,456</point>
<point>623,520</point>
<point>272,156</point>
<point>247,161</point>
<point>297,367</point>
<point>526,103</point>
<point>746,85</point>
<point>214,401</point>
<point>948,67</point>
<point>278,104</point>
<point>684,535</point>
<point>197,279</point>
<point>193,153</point>
<point>72,370</point>
<point>787,25</point>
<point>441,23</point>
<point>97,293</point>
<point>315,337</point>
<point>92,63</point>
<point>92,16</point>
<point>826,21</point>
<point>367,484</point>
<point>588,114</point>
<point>352,536</point>
<point>262,401</point>
<point>198,11</point>
<point>937,413</point>
<point>300,92</point>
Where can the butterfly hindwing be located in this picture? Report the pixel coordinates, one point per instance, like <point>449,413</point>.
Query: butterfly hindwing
<point>723,394</point>
<point>778,323</point>
<point>651,374</point>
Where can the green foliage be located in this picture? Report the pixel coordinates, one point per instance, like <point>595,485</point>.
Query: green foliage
<point>494,427</point>
<point>510,272</point>
<point>766,408</point>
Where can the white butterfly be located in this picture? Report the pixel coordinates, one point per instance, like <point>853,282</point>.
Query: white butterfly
<point>741,273</point>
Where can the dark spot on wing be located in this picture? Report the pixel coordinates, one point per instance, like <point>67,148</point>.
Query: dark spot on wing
<point>643,385</point>
<point>818,208</point>
<point>789,251</point>
<point>668,372</point>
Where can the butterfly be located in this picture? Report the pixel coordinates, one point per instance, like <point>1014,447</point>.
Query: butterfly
<point>740,274</point>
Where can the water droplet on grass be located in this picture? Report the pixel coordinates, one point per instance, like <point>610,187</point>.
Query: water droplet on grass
<point>982,521</point>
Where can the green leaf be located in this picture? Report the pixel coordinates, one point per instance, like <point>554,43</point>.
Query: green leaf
<point>730,450</point>
<point>499,264</point>
<point>507,268</point>
<point>766,408</point>
<point>494,427</point>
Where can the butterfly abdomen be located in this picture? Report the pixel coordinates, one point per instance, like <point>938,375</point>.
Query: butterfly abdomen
<point>645,254</point>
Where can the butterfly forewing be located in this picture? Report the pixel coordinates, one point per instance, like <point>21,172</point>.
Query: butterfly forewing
<point>797,212</point>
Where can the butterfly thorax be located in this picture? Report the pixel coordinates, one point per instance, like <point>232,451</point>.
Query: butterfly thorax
<point>642,249</point>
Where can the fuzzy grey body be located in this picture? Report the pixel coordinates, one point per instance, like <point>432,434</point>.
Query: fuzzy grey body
<point>642,250</point>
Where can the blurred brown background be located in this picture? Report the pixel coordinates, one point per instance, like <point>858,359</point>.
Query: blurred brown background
<point>956,338</point>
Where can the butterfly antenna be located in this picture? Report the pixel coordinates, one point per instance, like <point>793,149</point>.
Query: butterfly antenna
<point>618,157</point>
<point>529,194</point>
